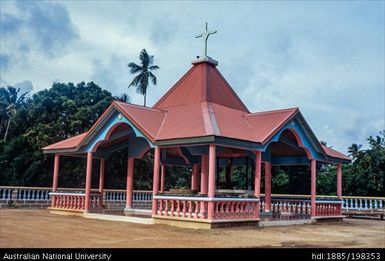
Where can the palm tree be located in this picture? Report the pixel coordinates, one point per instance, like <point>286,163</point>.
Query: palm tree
<point>10,100</point>
<point>354,150</point>
<point>144,73</point>
<point>123,98</point>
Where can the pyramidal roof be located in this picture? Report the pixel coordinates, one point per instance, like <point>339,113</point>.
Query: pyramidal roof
<point>200,104</point>
<point>202,83</point>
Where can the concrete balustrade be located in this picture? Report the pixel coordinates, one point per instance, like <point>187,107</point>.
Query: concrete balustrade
<point>197,208</point>
<point>40,197</point>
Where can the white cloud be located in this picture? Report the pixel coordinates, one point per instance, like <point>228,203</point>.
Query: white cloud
<point>326,58</point>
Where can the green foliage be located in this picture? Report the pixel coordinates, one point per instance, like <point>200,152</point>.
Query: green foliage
<point>66,110</point>
<point>49,116</point>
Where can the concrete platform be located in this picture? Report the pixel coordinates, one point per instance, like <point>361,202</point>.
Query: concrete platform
<point>290,222</point>
<point>138,220</point>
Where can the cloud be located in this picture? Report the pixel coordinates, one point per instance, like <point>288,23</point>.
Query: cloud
<point>25,86</point>
<point>4,61</point>
<point>34,28</point>
<point>324,57</point>
<point>164,30</point>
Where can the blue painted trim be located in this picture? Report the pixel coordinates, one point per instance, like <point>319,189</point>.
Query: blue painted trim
<point>111,121</point>
<point>290,161</point>
<point>295,125</point>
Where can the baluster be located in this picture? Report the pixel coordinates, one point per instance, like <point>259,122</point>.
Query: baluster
<point>228,208</point>
<point>159,212</point>
<point>73,202</point>
<point>231,209</point>
<point>196,209</point>
<point>184,205</point>
<point>166,207</point>
<point>380,204</point>
<point>172,207</point>
<point>69,202</point>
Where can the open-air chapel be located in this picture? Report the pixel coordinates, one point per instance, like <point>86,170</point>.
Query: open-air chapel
<point>202,124</point>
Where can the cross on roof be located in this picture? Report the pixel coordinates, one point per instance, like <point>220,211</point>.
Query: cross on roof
<point>205,35</point>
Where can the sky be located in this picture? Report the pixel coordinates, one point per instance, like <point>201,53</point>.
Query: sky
<point>327,58</point>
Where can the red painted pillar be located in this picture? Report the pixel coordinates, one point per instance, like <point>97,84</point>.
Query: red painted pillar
<point>194,177</point>
<point>204,179</point>
<point>267,186</point>
<point>339,186</point>
<point>130,182</point>
<point>55,177</point>
<point>339,181</point>
<point>101,175</point>
<point>162,174</point>
<point>204,173</point>
<point>212,172</point>
<point>258,167</point>
<point>313,164</point>
<point>88,182</point>
<point>155,184</point>
<point>101,180</point>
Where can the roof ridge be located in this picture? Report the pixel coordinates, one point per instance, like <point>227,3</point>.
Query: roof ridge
<point>232,90</point>
<point>161,126</point>
<point>139,106</point>
<point>271,111</point>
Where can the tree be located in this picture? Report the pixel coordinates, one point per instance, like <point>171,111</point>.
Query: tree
<point>10,101</point>
<point>144,73</point>
<point>123,98</point>
<point>50,116</point>
<point>354,150</point>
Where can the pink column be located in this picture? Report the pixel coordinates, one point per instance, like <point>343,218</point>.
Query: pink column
<point>55,177</point>
<point>212,171</point>
<point>101,175</point>
<point>155,185</point>
<point>194,177</point>
<point>204,173</point>
<point>88,182</point>
<point>313,186</point>
<point>204,180</point>
<point>267,186</point>
<point>130,182</point>
<point>339,181</point>
<point>339,186</point>
<point>162,174</point>
<point>257,180</point>
<point>101,180</point>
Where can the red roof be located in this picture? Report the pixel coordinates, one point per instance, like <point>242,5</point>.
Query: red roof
<point>202,83</point>
<point>200,104</point>
<point>335,154</point>
<point>69,143</point>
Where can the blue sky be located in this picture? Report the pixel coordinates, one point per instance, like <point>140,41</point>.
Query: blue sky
<point>325,57</point>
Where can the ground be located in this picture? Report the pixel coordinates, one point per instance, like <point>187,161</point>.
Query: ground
<point>40,228</point>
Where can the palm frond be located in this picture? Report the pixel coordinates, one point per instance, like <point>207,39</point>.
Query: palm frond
<point>153,67</point>
<point>134,68</point>
<point>144,58</point>
<point>152,77</point>
<point>143,85</point>
<point>135,81</point>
